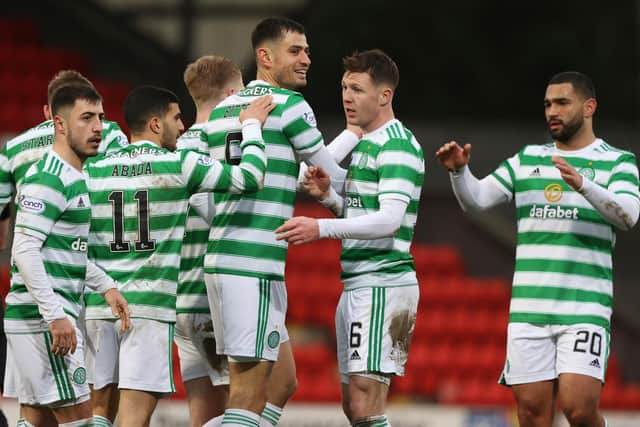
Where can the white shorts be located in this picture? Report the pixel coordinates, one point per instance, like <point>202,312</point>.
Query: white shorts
<point>248,315</point>
<point>139,359</point>
<point>543,352</point>
<point>197,349</point>
<point>35,376</point>
<point>374,327</point>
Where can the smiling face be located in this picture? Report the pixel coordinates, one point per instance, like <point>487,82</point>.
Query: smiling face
<point>290,60</point>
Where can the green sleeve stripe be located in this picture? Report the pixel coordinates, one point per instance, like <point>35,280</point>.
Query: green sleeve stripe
<point>504,183</point>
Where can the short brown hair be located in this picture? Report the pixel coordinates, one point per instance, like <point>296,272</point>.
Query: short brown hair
<point>67,95</point>
<point>207,76</point>
<point>63,78</point>
<point>376,63</point>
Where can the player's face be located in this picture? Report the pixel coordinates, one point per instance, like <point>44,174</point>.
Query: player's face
<point>291,61</point>
<point>564,110</point>
<point>172,127</point>
<point>361,100</point>
<point>84,128</point>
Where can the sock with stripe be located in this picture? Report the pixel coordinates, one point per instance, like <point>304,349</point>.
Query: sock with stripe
<point>99,421</point>
<point>270,415</point>
<point>214,422</point>
<point>240,418</point>
<point>374,421</point>
<point>87,422</point>
<point>24,423</point>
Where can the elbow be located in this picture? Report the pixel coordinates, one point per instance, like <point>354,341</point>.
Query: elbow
<point>393,229</point>
<point>628,222</point>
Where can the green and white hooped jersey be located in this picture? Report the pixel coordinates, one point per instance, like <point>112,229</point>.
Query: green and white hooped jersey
<point>139,201</point>
<point>53,205</point>
<point>19,153</point>
<point>563,272</point>
<point>242,239</point>
<point>387,163</point>
<point>192,292</point>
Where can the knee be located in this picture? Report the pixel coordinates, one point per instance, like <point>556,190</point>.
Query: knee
<point>289,387</point>
<point>530,408</point>
<point>346,408</point>
<point>292,386</point>
<point>358,408</point>
<point>251,397</point>
<point>580,415</point>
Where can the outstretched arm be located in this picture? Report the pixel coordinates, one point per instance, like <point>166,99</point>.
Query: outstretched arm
<point>471,192</point>
<point>205,174</point>
<point>383,223</point>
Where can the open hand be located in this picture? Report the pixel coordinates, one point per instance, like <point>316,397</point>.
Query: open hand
<point>568,173</point>
<point>316,182</point>
<point>299,230</point>
<point>64,337</point>
<point>119,307</point>
<point>452,156</point>
<point>258,109</point>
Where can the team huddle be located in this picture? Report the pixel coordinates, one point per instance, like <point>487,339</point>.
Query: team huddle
<point>124,245</point>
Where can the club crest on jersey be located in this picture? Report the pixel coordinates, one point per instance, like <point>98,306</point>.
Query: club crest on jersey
<point>310,118</point>
<point>31,204</point>
<point>588,173</point>
<point>205,160</point>
<point>553,192</point>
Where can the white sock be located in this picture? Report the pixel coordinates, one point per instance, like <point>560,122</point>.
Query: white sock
<point>270,415</point>
<point>99,421</point>
<point>24,423</point>
<point>606,423</point>
<point>240,418</point>
<point>87,422</point>
<point>214,422</point>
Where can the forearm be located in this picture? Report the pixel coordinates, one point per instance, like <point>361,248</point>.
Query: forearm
<point>475,194</point>
<point>97,280</point>
<point>338,149</point>
<point>383,223</point>
<point>323,158</point>
<point>249,175</point>
<point>334,202</point>
<point>621,210</point>
<point>342,145</point>
<point>28,258</point>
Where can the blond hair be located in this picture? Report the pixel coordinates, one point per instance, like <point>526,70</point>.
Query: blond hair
<point>64,78</point>
<point>207,77</point>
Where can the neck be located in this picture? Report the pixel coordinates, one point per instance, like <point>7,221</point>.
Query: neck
<point>62,149</point>
<point>581,139</point>
<point>265,75</point>
<point>204,110</point>
<point>146,136</point>
<point>383,117</point>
